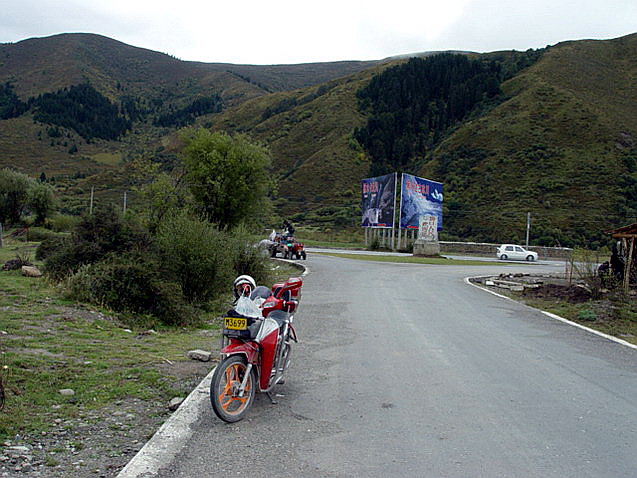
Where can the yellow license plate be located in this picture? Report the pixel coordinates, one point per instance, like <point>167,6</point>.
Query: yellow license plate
<point>235,323</point>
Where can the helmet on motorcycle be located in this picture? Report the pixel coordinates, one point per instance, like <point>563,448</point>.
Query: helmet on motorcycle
<point>243,285</point>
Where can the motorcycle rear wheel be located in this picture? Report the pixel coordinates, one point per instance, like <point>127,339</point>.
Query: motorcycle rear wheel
<point>224,386</point>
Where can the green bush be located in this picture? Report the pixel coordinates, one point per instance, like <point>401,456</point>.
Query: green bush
<point>195,253</point>
<point>68,256</point>
<point>38,234</point>
<point>407,248</point>
<point>62,223</point>
<point>111,231</point>
<point>48,246</point>
<point>131,283</point>
<point>247,258</point>
<point>97,235</point>
<point>374,245</point>
<point>587,315</point>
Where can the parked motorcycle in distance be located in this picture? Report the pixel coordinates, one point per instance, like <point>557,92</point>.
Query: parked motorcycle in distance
<point>256,347</point>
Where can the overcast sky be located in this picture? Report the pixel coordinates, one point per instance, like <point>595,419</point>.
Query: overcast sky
<point>286,31</point>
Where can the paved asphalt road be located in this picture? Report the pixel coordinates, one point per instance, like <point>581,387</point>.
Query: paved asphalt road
<point>404,370</point>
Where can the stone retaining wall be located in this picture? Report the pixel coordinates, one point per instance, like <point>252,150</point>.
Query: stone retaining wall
<point>487,249</point>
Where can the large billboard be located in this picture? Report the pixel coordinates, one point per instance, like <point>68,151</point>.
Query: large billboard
<point>418,197</point>
<point>378,201</point>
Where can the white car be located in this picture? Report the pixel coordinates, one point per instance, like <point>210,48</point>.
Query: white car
<point>512,251</point>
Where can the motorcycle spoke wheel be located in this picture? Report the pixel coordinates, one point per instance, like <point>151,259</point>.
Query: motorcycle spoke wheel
<point>224,388</point>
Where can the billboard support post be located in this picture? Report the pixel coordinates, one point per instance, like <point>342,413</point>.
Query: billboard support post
<point>393,220</point>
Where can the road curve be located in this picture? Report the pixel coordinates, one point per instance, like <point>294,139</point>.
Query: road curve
<point>405,370</point>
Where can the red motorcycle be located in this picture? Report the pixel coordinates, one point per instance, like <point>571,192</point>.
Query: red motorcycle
<point>255,351</point>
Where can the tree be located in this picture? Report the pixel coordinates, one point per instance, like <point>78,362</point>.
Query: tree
<point>10,104</point>
<point>227,175</point>
<point>41,200</point>
<point>14,192</point>
<point>196,255</point>
<point>164,195</point>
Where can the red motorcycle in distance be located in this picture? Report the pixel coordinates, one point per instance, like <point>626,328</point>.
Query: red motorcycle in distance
<point>255,351</point>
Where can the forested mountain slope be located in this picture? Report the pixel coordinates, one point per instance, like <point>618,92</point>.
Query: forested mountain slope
<point>81,106</point>
<point>562,146</point>
<point>552,132</point>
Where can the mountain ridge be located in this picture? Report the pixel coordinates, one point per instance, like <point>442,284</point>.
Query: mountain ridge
<point>569,117</point>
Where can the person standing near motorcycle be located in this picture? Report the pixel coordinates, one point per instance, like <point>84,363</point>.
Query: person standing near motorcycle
<point>288,229</point>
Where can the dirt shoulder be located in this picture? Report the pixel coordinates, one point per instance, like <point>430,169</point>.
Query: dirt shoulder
<point>121,381</point>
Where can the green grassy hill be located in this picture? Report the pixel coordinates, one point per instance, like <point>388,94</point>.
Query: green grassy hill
<point>154,81</point>
<point>563,146</point>
<point>318,164</point>
<point>560,142</point>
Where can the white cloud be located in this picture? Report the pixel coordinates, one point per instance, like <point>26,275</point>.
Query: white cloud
<point>292,32</point>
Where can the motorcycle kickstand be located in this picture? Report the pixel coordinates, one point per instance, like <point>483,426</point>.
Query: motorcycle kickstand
<point>274,402</point>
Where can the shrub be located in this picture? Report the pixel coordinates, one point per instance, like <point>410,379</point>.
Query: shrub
<point>131,283</point>
<point>110,231</point>
<point>407,248</point>
<point>97,235</point>
<point>247,258</point>
<point>587,315</point>
<point>62,223</point>
<point>584,264</point>
<point>68,256</point>
<point>38,234</point>
<point>47,247</point>
<point>21,259</point>
<point>374,245</point>
<point>195,253</point>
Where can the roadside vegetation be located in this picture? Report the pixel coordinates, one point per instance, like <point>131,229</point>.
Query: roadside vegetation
<point>125,296</point>
<point>615,314</point>
<point>583,295</point>
<point>52,342</point>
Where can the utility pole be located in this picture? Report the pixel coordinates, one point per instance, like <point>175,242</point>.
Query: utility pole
<point>90,209</point>
<point>124,202</point>
<point>528,227</point>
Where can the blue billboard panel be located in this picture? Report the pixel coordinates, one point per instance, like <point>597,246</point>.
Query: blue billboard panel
<point>378,201</point>
<point>419,196</point>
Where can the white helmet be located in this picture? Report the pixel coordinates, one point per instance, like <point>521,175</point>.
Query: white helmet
<point>243,285</point>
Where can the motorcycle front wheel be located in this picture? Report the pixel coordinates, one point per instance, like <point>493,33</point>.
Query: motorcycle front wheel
<point>224,389</point>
